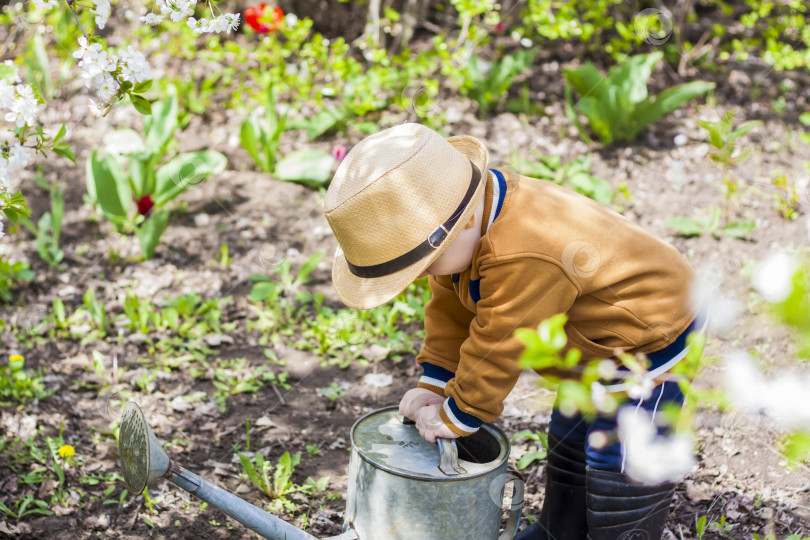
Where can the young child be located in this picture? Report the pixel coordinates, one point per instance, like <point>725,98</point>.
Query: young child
<point>503,252</point>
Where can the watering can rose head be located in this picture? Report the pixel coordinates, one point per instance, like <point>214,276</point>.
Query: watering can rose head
<point>262,20</point>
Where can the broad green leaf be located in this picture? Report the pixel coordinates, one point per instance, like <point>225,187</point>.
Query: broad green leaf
<point>161,124</point>
<point>64,150</point>
<point>586,80</point>
<point>631,76</point>
<point>598,120</point>
<point>139,171</point>
<point>143,86</point>
<point>738,229</point>
<point>529,458</point>
<point>141,104</point>
<point>572,116</point>
<point>185,171</point>
<point>685,226</point>
<point>108,185</point>
<point>309,167</point>
<point>250,142</point>
<point>150,231</point>
<point>309,266</point>
<point>667,101</point>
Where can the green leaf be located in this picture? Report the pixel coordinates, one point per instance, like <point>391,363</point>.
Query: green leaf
<point>667,101</point>
<point>8,73</point>
<point>143,86</point>
<point>141,105</point>
<point>631,76</point>
<point>685,226</point>
<point>529,458</point>
<point>586,80</point>
<point>250,142</point>
<point>64,150</point>
<point>309,266</point>
<point>160,126</point>
<point>309,167</point>
<point>150,231</point>
<point>185,171</point>
<point>108,185</point>
<point>738,229</point>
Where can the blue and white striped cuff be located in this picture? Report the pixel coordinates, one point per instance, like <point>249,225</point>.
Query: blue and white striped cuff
<point>434,376</point>
<point>457,420</point>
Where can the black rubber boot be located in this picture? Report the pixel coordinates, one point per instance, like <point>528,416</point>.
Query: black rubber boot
<point>618,509</point>
<point>563,515</point>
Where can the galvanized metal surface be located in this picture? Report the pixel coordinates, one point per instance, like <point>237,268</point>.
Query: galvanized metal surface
<point>396,490</point>
<point>250,516</point>
<point>142,458</point>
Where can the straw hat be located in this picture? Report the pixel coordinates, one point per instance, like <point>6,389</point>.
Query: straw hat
<point>398,199</point>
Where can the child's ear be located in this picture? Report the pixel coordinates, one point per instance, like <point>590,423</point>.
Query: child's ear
<point>471,223</point>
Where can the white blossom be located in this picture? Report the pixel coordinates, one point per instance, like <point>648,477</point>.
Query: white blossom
<point>199,26</point>
<point>107,87</point>
<point>2,234</point>
<point>648,457</point>
<point>641,389</point>
<point>19,156</point>
<point>46,5</point>
<point>783,397</point>
<point>773,277</point>
<point>152,19</point>
<point>96,108</point>
<point>4,174</point>
<point>134,66</point>
<point>177,10</point>
<point>23,110</point>
<point>7,94</point>
<point>88,50</point>
<point>102,12</point>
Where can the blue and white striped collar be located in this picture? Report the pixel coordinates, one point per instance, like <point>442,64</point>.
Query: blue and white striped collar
<point>498,195</point>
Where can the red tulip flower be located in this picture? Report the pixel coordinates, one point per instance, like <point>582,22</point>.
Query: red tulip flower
<point>339,152</point>
<point>145,204</point>
<point>263,21</point>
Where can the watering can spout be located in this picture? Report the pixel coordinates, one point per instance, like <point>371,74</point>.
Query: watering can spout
<point>143,461</point>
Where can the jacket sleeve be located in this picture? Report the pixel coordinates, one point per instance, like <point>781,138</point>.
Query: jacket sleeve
<point>520,293</point>
<point>447,326</point>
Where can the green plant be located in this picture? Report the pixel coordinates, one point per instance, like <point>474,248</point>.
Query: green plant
<point>530,457</point>
<point>234,377</point>
<point>708,222</point>
<point>488,83</point>
<point>618,106</point>
<point>724,139</point>
<point>276,481</point>
<point>10,275</point>
<point>260,137</point>
<point>49,227</point>
<point>17,386</point>
<point>133,199</point>
<point>308,167</point>
<point>333,392</point>
<point>576,175</point>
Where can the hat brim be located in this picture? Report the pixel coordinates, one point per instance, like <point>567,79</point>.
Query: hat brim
<point>366,293</point>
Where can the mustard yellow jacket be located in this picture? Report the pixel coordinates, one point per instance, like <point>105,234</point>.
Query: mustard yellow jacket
<point>546,250</point>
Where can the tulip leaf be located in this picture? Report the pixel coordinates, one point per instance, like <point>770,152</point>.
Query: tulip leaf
<point>108,185</point>
<point>185,171</point>
<point>150,231</point>
<point>312,168</point>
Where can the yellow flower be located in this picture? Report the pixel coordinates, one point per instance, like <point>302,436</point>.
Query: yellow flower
<point>15,358</point>
<point>66,451</point>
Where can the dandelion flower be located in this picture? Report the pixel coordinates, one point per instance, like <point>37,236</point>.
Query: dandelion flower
<point>66,451</point>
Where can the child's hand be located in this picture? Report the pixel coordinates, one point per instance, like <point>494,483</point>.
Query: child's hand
<point>430,424</point>
<point>415,399</point>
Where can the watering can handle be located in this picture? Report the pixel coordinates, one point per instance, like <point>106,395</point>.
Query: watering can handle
<point>516,509</point>
<point>448,452</point>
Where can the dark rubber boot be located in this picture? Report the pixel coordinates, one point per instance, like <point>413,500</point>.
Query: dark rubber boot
<point>621,510</point>
<point>563,515</point>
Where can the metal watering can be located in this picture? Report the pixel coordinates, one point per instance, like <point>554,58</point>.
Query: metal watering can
<point>400,486</point>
